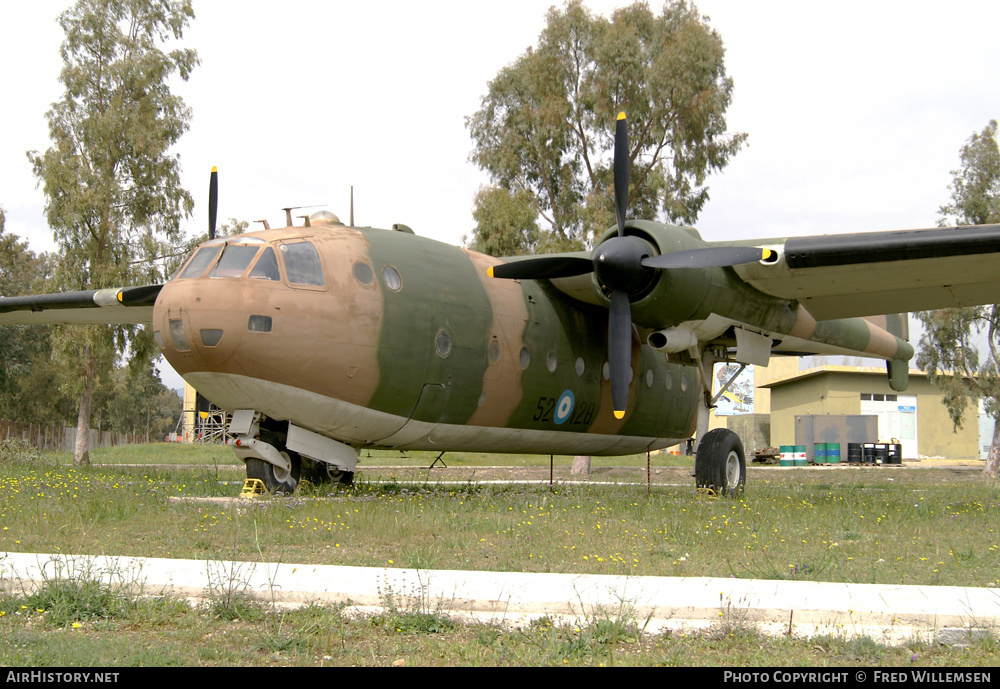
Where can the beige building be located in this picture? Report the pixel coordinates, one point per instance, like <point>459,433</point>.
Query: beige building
<point>915,419</point>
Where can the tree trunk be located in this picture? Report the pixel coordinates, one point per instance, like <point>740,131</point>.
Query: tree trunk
<point>81,453</point>
<point>992,468</point>
<point>581,465</point>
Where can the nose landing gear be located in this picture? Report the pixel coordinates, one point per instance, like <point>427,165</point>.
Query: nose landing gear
<point>281,454</point>
<point>277,480</point>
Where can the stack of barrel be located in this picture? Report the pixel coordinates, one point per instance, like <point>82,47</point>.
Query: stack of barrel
<point>793,456</point>
<point>875,454</point>
<point>798,456</point>
<point>827,453</point>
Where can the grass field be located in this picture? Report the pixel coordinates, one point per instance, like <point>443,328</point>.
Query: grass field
<point>871,525</point>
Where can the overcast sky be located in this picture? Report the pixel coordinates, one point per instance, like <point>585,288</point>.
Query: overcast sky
<point>855,111</point>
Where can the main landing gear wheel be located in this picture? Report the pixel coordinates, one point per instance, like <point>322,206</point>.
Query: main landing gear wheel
<point>720,465</point>
<point>321,472</point>
<point>276,480</point>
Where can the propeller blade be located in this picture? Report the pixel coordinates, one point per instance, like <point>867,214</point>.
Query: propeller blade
<point>712,257</point>
<point>622,171</point>
<point>543,267</point>
<point>619,350</point>
<point>213,201</point>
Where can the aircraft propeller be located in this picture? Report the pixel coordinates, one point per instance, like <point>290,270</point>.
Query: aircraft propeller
<point>213,201</point>
<point>624,266</point>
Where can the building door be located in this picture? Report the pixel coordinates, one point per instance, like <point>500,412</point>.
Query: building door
<point>897,419</point>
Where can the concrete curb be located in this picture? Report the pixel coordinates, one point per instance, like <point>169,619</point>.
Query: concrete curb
<point>889,614</point>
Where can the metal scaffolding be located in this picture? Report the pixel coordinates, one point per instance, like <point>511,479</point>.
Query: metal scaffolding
<point>213,426</point>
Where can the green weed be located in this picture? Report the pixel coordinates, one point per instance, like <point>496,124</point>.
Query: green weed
<point>17,452</point>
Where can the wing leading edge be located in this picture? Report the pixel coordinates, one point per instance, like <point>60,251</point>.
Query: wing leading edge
<point>870,273</point>
<point>119,305</point>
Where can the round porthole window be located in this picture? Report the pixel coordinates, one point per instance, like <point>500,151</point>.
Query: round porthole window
<point>362,272</point>
<point>551,362</point>
<point>442,343</point>
<point>493,350</point>
<point>581,366</point>
<point>390,276</point>
<point>525,357</point>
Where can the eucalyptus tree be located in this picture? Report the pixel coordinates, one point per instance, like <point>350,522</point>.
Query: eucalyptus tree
<point>112,185</point>
<point>960,348</point>
<point>546,124</point>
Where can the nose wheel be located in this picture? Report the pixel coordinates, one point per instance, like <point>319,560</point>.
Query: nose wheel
<point>720,465</point>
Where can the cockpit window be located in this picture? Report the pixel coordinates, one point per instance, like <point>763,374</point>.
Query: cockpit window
<point>183,263</point>
<point>197,265</point>
<point>267,266</point>
<point>302,264</point>
<point>234,261</point>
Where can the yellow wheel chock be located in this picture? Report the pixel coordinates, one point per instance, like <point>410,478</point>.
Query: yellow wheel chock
<point>252,487</point>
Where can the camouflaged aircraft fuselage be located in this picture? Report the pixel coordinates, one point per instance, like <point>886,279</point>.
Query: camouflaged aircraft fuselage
<point>380,338</point>
<point>404,342</point>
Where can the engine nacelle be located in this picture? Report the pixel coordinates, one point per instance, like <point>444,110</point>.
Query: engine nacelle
<point>677,295</point>
<point>669,295</point>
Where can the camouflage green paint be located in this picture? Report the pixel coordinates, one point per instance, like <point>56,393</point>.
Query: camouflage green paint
<point>443,290</point>
<point>569,334</point>
<point>692,295</point>
<point>441,293</point>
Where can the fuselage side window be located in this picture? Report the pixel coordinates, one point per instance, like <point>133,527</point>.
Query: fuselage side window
<point>234,261</point>
<point>302,264</point>
<point>267,266</point>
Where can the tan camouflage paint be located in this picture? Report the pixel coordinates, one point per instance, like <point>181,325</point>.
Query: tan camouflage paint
<point>502,389</point>
<point>331,358</point>
<point>805,324</point>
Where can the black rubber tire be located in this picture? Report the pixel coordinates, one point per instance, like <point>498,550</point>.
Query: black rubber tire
<point>320,473</point>
<point>274,482</point>
<point>720,464</point>
<point>344,478</point>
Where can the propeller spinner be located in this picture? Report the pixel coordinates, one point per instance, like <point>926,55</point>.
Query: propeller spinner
<point>623,264</point>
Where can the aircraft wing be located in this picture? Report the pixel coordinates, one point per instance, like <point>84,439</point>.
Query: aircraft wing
<point>871,273</point>
<point>120,305</point>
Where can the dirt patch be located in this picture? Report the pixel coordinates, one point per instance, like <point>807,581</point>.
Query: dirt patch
<point>530,473</point>
<point>909,474</point>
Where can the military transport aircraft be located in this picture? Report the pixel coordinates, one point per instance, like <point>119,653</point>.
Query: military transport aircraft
<point>325,338</point>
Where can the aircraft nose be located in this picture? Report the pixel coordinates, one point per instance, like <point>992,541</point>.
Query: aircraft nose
<point>195,333</point>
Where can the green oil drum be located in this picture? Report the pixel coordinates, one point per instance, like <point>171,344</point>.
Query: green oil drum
<point>787,459</point>
<point>801,458</point>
